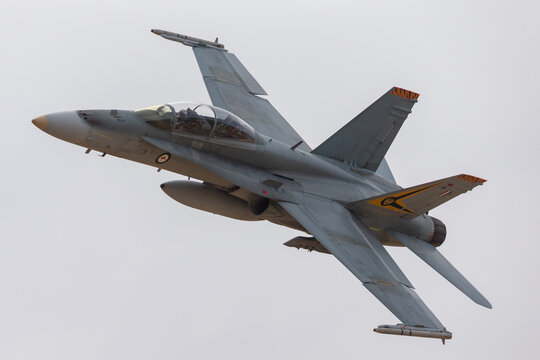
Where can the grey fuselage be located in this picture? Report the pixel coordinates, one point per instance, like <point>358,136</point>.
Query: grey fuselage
<point>259,171</point>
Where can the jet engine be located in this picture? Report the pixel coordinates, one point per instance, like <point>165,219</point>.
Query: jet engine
<point>439,232</point>
<point>200,196</point>
<point>423,227</point>
<point>269,210</point>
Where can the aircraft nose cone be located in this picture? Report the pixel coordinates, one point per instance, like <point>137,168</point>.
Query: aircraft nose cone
<point>66,125</point>
<point>40,122</point>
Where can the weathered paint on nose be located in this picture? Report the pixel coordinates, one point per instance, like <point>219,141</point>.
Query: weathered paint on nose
<point>66,125</point>
<point>40,122</point>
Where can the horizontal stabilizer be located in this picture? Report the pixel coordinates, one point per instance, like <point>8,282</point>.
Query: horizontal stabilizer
<point>438,262</point>
<point>416,200</point>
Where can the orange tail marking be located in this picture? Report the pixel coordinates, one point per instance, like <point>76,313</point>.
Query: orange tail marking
<point>406,94</point>
<point>472,179</point>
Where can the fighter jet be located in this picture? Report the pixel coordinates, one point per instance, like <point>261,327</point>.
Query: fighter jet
<point>252,165</point>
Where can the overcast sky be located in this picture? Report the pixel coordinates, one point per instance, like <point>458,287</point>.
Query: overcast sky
<point>96,262</point>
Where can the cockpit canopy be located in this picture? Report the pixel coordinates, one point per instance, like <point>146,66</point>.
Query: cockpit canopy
<point>199,119</point>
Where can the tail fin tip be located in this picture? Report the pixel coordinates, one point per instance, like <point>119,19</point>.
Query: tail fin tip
<point>406,94</point>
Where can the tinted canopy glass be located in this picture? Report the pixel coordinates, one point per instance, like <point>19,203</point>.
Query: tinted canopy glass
<point>199,119</point>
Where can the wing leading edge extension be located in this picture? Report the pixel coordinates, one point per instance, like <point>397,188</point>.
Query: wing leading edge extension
<point>353,244</point>
<point>233,88</point>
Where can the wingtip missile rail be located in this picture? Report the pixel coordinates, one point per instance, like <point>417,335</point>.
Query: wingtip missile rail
<point>187,40</point>
<point>404,330</point>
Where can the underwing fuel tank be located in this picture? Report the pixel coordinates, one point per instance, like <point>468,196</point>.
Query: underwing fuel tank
<point>200,196</point>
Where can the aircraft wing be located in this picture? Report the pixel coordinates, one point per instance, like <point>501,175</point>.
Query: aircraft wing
<point>354,245</point>
<point>346,237</point>
<point>233,88</point>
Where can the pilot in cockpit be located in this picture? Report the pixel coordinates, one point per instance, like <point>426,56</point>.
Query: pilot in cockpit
<point>188,120</point>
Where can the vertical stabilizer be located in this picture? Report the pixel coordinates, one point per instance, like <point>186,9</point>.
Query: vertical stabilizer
<point>364,141</point>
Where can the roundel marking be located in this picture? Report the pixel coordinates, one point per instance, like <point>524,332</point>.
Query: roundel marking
<point>163,158</point>
<point>388,201</point>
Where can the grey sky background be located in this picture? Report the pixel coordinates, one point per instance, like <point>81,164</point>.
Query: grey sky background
<point>96,262</point>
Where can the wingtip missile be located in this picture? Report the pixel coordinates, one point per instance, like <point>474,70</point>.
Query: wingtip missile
<point>187,40</point>
<point>404,330</point>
